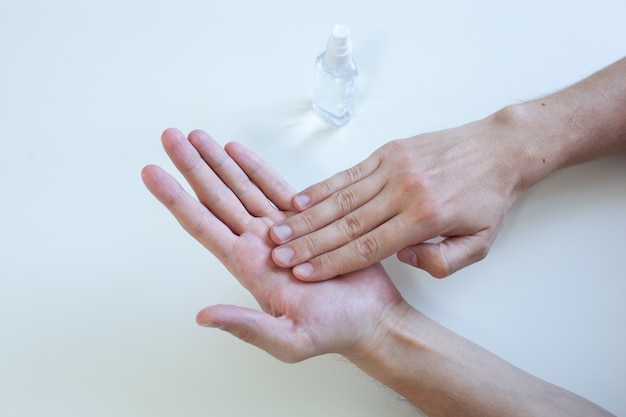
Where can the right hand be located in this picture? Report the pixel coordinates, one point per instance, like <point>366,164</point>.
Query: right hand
<point>456,184</point>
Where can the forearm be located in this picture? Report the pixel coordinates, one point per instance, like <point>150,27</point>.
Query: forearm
<point>583,122</point>
<point>444,374</point>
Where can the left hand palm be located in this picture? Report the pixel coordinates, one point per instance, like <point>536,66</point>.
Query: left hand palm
<point>239,198</point>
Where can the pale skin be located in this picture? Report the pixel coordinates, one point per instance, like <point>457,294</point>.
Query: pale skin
<point>456,185</point>
<point>360,315</point>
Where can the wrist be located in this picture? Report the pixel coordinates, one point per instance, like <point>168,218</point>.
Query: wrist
<point>534,139</point>
<point>396,344</point>
<point>575,125</point>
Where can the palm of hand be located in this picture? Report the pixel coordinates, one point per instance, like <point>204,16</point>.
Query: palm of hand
<point>310,318</point>
<point>232,219</point>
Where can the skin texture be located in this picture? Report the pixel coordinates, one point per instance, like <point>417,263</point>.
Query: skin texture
<point>360,315</point>
<point>456,185</point>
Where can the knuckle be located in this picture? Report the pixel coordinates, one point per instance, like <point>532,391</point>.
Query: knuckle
<point>215,196</point>
<point>351,226</point>
<point>430,213</point>
<point>242,333</point>
<point>367,246</point>
<point>307,246</point>
<point>398,152</point>
<point>345,200</point>
<point>440,271</point>
<point>353,174</point>
<point>198,229</point>
<point>432,210</point>
<point>481,250</point>
<point>321,190</point>
<point>306,220</point>
<point>328,265</point>
<point>438,266</point>
<point>394,147</point>
<point>413,182</point>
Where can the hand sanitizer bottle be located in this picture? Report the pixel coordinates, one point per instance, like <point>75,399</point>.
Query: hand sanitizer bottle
<point>335,79</point>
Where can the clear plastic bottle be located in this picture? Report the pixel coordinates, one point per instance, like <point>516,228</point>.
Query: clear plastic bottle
<point>334,92</point>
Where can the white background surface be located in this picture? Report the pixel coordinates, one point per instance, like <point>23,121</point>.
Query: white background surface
<point>99,286</point>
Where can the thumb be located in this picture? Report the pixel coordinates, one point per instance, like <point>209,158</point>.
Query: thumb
<point>444,258</point>
<point>278,336</point>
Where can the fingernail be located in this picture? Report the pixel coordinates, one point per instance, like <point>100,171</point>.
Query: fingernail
<point>282,232</point>
<point>283,255</point>
<point>408,257</point>
<point>301,201</point>
<point>304,270</point>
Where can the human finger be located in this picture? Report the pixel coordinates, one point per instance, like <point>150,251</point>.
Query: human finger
<point>322,190</point>
<point>444,258</point>
<point>195,218</point>
<point>274,335</point>
<point>275,188</point>
<point>212,192</point>
<point>231,174</point>
<point>363,251</point>
<point>336,234</point>
<point>333,208</point>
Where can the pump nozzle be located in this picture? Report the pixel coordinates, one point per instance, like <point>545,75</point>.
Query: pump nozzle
<point>339,48</point>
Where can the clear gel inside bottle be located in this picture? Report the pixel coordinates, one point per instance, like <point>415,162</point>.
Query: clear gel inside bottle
<point>334,92</point>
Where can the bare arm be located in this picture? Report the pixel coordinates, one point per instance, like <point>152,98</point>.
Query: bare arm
<point>360,315</point>
<point>457,184</point>
<point>444,374</point>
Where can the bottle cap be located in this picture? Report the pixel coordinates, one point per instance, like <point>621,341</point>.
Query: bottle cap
<point>339,48</point>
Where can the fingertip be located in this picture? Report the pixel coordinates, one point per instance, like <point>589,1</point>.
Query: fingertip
<point>304,272</point>
<point>407,256</point>
<point>146,171</point>
<point>301,202</point>
<point>170,133</point>
<point>273,236</point>
<point>201,318</point>
<point>204,318</point>
<point>152,175</point>
<point>235,147</point>
<point>282,256</point>
<point>203,142</point>
<point>280,233</point>
<point>244,157</point>
<point>198,133</point>
<point>171,139</point>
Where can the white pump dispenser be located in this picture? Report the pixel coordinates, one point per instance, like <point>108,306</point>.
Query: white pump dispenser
<point>335,79</point>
